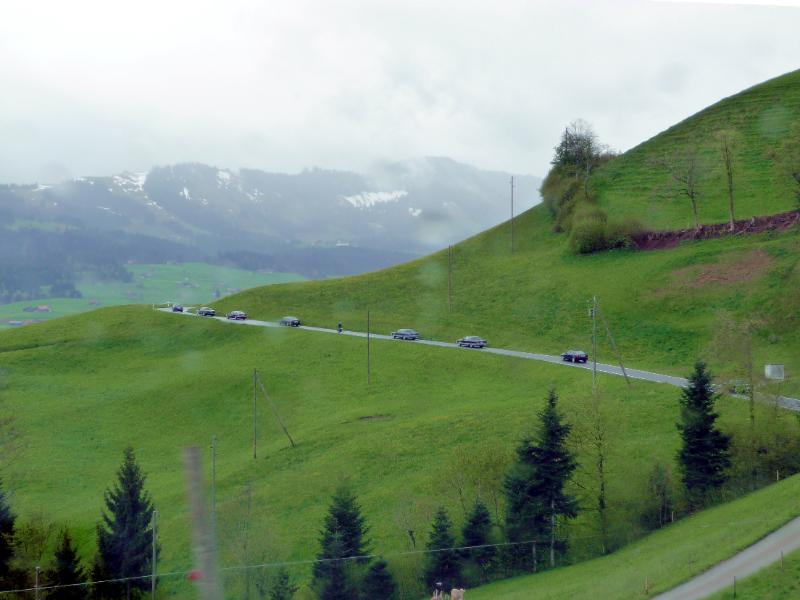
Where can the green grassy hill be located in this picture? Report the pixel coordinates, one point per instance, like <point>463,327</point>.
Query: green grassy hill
<point>760,119</point>
<point>83,387</point>
<point>672,555</point>
<point>663,307</point>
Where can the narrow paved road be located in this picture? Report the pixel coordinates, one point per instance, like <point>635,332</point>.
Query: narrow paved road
<point>788,403</point>
<point>748,561</point>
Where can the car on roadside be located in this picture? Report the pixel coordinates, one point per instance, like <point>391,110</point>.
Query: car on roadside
<point>177,308</point>
<point>575,356</point>
<point>472,341</point>
<point>236,315</point>
<point>290,322</point>
<point>405,334</point>
<point>206,312</point>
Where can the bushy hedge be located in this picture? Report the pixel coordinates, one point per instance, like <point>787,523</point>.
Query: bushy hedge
<point>592,231</point>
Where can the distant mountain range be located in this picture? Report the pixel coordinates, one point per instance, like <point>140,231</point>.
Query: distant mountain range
<point>318,222</point>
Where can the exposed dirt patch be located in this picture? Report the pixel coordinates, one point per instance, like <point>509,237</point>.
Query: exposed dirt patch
<point>660,240</point>
<point>748,267</point>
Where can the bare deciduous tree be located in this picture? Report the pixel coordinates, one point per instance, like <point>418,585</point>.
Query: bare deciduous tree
<point>684,171</point>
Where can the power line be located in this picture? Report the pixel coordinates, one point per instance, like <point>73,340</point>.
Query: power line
<point>342,559</point>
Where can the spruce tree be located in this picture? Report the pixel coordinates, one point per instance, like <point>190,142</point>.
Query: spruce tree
<point>281,586</point>
<point>705,451</point>
<point>534,488</point>
<point>66,571</point>
<point>7,520</point>
<point>477,531</point>
<point>378,582</point>
<point>343,536</point>
<point>124,535</point>
<point>442,563</point>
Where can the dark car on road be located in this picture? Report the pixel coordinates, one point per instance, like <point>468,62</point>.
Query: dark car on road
<point>177,308</point>
<point>576,356</point>
<point>206,312</point>
<point>472,341</point>
<point>290,322</point>
<point>405,334</point>
<point>236,315</point>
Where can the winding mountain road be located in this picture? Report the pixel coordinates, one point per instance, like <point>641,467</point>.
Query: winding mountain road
<point>787,403</point>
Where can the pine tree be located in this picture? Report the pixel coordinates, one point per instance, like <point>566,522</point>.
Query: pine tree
<point>67,571</point>
<point>281,587</point>
<point>7,520</point>
<point>705,452</point>
<point>442,563</point>
<point>534,488</point>
<point>343,536</point>
<point>378,582</point>
<point>477,531</point>
<point>124,535</point>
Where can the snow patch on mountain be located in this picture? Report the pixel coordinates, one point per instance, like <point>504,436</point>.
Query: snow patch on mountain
<point>370,199</point>
<point>223,177</point>
<point>414,212</point>
<point>185,193</point>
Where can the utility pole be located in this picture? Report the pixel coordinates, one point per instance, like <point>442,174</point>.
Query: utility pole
<point>154,559</point>
<point>369,365</point>
<point>449,278</point>
<point>512,213</point>
<point>594,344</point>
<point>255,379</point>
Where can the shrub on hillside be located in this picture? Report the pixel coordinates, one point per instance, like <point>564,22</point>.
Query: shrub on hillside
<point>621,233</point>
<point>559,192</point>
<point>592,231</point>
<point>588,231</point>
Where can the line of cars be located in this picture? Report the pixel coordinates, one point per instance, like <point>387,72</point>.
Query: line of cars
<point>469,341</point>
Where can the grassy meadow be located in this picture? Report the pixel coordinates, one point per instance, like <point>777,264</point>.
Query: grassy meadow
<point>82,388</point>
<point>188,283</point>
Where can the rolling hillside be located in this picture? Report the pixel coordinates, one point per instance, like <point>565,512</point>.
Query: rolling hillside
<point>759,120</point>
<point>81,388</point>
<point>663,307</point>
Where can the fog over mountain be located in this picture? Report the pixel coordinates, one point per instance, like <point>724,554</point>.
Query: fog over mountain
<point>317,222</point>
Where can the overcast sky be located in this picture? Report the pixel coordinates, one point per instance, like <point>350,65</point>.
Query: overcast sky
<point>97,87</point>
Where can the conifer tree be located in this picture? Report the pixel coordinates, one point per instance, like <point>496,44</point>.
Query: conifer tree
<point>281,587</point>
<point>705,451</point>
<point>7,520</point>
<point>442,564</point>
<point>124,535</point>
<point>534,488</point>
<point>378,582</point>
<point>67,571</point>
<point>343,536</point>
<point>477,531</point>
